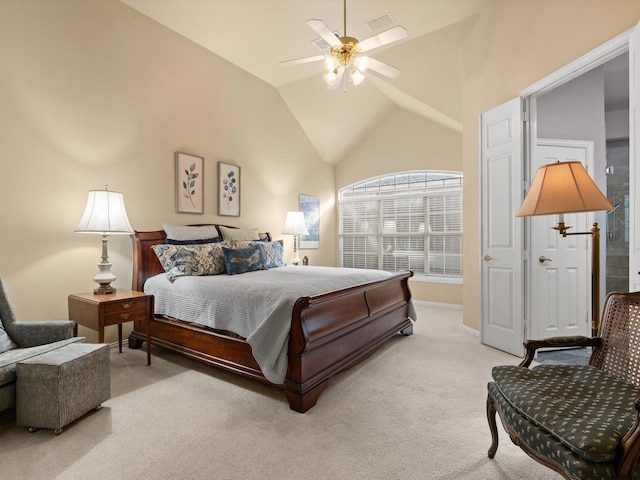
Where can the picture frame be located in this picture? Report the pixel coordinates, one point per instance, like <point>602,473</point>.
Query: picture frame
<point>310,207</point>
<point>229,190</point>
<point>189,183</point>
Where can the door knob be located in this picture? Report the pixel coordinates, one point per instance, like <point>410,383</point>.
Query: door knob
<point>543,259</point>
<point>486,258</point>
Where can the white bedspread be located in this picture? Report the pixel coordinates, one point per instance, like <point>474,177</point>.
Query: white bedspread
<point>256,305</point>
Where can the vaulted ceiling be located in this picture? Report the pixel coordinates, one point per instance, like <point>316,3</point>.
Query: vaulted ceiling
<point>256,35</point>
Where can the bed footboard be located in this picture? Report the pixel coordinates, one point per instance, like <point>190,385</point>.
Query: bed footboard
<point>333,331</point>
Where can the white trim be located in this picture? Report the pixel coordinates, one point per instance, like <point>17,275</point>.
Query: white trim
<point>420,278</point>
<point>470,330</point>
<point>453,306</point>
<point>587,62</point>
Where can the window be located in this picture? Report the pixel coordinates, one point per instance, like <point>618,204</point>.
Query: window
<point>408,220</point>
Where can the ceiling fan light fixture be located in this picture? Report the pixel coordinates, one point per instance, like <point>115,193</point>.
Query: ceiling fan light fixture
<point>331,63</point>
<point>361,63</point>
<point>356,77</point>
<point>330,77</point>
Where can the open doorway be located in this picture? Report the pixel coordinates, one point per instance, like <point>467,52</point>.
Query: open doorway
<point>595,106</point>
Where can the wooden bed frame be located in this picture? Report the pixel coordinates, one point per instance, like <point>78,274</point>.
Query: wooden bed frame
<point>329,332</point>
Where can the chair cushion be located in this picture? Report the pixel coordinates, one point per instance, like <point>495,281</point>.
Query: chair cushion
<point>9,359</point>
<point>546,445</point>
<point>586,409</point>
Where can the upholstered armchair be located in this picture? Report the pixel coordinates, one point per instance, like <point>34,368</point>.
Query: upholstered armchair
<point>29,334</point>
<point>22,340</point>
<point>580,420</point>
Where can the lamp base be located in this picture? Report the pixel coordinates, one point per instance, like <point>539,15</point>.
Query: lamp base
<point>104,290</point>
<point>104,277</point>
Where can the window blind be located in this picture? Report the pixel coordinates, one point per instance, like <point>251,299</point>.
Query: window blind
<point>405,221</point>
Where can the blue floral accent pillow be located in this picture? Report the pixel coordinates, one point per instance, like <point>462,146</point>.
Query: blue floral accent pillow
<point>185,260</point>
<point>243,260</point>
<point>272,253</point>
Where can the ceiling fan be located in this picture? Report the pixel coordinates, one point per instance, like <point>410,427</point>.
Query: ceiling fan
<point>346,59</point>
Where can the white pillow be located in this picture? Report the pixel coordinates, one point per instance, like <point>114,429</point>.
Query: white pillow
<point>239,234</point>
<point>184,232</point>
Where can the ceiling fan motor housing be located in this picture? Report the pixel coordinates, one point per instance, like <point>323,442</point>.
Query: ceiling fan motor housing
<point>348,48</point>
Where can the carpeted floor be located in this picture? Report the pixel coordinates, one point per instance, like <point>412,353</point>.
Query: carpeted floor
<point>414,410</point>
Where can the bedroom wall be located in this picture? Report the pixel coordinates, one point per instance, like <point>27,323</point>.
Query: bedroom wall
<point>94,94</point>
<point>404,141</point>
<point>513,45</point>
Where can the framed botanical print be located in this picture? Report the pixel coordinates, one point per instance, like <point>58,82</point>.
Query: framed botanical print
<point>228,190</point>
<point>310,207</point>
<point>189,183</point>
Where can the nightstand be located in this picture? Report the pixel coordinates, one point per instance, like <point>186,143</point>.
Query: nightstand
<point>98,311</point>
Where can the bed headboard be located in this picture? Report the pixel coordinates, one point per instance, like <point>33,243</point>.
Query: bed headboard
<point>145,262</point>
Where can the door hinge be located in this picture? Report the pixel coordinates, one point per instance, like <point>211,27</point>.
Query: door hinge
<point>524,113</point>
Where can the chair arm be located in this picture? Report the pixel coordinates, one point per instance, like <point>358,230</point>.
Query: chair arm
<point>30,334</point>
<point>531,346</point>
<point>629,449</point>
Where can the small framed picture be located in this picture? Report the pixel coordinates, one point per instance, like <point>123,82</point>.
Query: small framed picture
<point>189,183</point>
<point>310,207</point>
<point>228,190</point>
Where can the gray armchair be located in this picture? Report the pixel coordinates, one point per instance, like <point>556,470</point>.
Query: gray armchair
<point>29,334</point>
<point>22,340</point>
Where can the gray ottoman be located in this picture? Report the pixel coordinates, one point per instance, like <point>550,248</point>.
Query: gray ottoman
<point>58,387</point>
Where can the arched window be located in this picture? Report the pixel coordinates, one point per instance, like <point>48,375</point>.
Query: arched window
<point>407,220</point>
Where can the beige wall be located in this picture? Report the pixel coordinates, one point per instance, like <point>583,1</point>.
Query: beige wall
<point>514,44</point>
<point>94,93</point>
<point>404,141</point>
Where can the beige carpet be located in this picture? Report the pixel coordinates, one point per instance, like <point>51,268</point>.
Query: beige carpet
<point>414,410</point>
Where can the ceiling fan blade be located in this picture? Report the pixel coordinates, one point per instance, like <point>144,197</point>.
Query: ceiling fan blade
<point>383,68</point>
<point>338,82</point>
<point>388,36</point>
<point>325,32</point>
<point>299,61</point>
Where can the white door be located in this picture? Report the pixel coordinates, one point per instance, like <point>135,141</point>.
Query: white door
<point>501,288</point>
<point>634,160</point>
<point>560,266</point>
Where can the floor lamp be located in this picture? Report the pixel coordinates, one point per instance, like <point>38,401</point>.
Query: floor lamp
<point>566,187</point>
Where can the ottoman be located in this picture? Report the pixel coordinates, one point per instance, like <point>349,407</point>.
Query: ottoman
<point>58,387</point>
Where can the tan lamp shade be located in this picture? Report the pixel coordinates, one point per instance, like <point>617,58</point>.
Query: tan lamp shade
<point>563,187</point>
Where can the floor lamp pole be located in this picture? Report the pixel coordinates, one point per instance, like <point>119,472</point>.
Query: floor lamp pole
<point>595,271</point>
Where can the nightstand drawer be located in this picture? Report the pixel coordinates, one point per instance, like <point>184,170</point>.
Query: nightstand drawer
<point>130,306</point>
<point>116,313</point>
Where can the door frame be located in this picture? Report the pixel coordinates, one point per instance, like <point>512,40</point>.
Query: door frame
<point>587,62</point>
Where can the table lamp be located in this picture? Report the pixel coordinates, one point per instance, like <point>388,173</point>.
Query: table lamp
<point>295,225</point>
<point>105,215</point>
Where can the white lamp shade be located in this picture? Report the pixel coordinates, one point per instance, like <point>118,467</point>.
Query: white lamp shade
<point>563,187</point>
<point>104,214</point>
<point>295,224</point>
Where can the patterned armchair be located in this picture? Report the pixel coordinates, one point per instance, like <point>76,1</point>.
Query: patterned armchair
<point>580,420</point>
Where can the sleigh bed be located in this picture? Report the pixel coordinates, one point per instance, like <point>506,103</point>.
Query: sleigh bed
<point>328,332</point>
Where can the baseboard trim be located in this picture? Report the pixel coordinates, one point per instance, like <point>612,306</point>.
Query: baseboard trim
<point>453,306</point>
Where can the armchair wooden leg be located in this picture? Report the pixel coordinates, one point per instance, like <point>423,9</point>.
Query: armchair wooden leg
<point>491,417</point>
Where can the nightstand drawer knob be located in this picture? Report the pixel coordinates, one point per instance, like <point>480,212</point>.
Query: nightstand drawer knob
<point>126,305</point>
<point>125,316</point>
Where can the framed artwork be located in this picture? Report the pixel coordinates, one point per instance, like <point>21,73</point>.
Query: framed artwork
<point>310,207</point>
<point>189,183</point>
<point>228,190</point>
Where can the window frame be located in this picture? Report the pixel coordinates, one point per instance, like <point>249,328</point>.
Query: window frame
<point>378,190</point>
